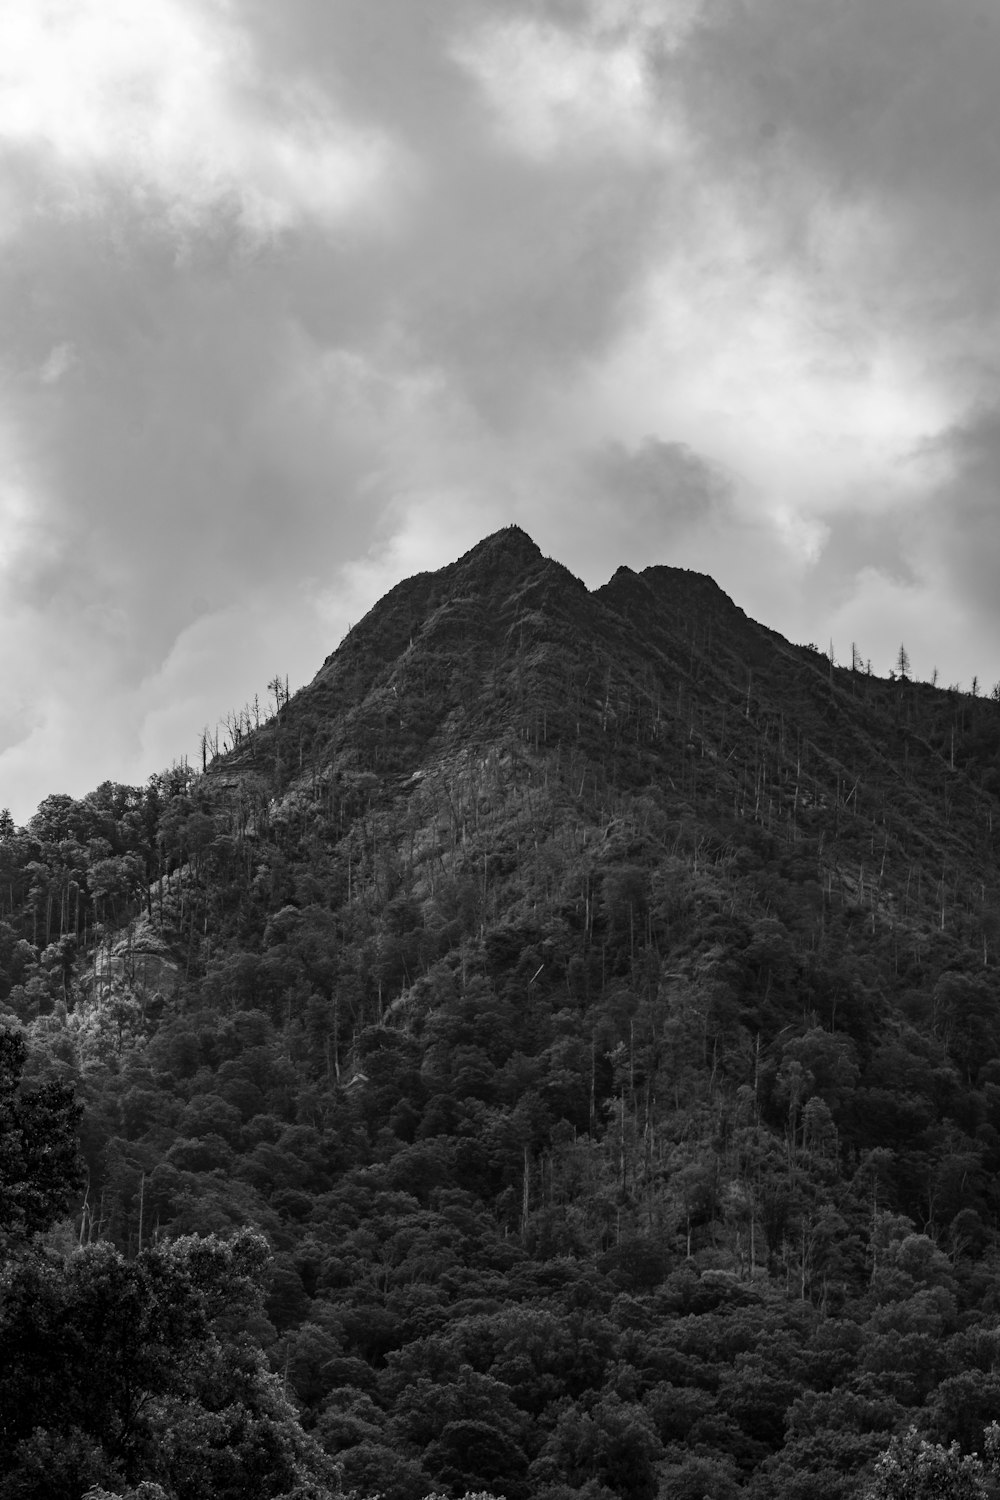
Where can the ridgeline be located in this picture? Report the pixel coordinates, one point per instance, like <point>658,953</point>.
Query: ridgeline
<point>592,998</point>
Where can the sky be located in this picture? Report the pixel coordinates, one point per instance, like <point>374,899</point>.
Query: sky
<point>298,299</point>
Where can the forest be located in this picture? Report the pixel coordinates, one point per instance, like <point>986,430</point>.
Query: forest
<point>555,1053</point>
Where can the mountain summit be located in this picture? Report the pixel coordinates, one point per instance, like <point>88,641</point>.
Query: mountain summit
<point>654,679</point>
<point>505,637</point>
<point>591,996</point>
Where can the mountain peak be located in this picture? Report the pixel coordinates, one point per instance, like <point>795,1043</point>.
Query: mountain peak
<point>510,544</point>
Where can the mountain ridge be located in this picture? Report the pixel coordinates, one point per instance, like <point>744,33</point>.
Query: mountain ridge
<point>506,643</point>
<point>503,583</point>
<point>591,996</point>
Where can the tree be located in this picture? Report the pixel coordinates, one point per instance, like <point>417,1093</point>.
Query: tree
<point>40,1166</point>
<point>278,689</point>
<point>613,1443</point>
<point>117,1372</point>
<point>903,663</point>
<point>913,1469</point>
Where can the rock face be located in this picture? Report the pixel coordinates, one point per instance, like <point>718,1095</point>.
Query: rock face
<point>146,963</point>
<point>139,965</point>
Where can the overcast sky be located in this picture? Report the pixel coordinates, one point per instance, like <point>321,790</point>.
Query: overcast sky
<point>299,297</point>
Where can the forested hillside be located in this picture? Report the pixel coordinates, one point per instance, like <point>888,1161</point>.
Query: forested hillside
<point>592,999</point>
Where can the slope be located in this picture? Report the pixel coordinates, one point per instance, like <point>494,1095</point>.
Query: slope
<point>592,996</point>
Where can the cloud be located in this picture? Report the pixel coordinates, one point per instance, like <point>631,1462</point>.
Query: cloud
<point>59,360</point>
<point>661,484</point>
<point>660,500</point>
<point>171,101</point>
<point>300,298</point>
<point>955,536</point>
<point>552,92</point>
<point>863,135</point>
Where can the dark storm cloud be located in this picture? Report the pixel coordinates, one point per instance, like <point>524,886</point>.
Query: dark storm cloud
<point>962,527</point>
<point>882,116</point>
<point>663,486</point>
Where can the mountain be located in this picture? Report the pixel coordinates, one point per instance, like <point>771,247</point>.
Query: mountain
<point>658,682</point>
<point>592,997</point>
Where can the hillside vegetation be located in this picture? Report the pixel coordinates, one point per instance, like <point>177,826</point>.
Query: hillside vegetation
<point>591,998</point>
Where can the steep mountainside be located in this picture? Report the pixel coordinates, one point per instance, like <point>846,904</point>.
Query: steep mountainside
<point>592,997</point>
<point>657,682</point>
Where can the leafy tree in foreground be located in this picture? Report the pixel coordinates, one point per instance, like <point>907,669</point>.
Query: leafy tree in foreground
<point>913,1469</point>
<point>121,1372</point>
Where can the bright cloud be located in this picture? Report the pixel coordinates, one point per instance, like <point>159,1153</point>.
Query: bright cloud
<point>552,91</point>
<point>170,97</point>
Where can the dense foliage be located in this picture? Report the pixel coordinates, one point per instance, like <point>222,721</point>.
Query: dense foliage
<point>592,1001</point>
<point>139,1373</point>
